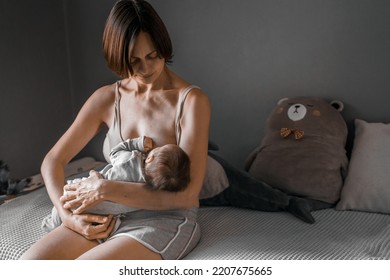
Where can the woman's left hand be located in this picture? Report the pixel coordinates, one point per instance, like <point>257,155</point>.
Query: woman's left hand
<point>83,194</point>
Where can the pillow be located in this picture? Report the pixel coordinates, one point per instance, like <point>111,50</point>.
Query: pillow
<point>215,179</point>
<point>303,150</point>
<point>367,186</point>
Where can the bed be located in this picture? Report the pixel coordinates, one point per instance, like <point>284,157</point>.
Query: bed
<point>233,233</point>
<point>358,228</point>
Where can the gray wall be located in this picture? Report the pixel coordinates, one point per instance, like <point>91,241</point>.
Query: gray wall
<point>85,21</point>
<point>34,82</point>
<point>245,55</point>
<point>248,54</point>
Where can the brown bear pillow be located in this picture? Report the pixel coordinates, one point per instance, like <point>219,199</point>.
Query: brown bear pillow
<point>303,151</point>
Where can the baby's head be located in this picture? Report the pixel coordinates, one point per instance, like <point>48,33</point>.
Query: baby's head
<point>167,168</point>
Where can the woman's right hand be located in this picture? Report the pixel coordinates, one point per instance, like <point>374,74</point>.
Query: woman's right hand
<point>90,226</point>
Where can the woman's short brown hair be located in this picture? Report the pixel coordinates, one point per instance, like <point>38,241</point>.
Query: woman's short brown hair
<point>125,21</point>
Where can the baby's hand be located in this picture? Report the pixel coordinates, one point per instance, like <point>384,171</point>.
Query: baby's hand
<point>148,144</point>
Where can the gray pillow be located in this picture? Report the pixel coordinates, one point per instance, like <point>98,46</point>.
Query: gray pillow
<point>367,186</point>
<point>215,179</point>
<point>303,149</point>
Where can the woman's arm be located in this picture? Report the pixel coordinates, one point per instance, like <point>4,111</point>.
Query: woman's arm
<point>195,126</point>
<point>87,123</point>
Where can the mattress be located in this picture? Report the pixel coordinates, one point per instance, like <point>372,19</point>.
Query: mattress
<point>237,234</point>
<point>232,233</point>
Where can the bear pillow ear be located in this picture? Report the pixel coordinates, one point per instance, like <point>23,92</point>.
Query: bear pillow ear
<point>281,100</point>
<point>338,105</point>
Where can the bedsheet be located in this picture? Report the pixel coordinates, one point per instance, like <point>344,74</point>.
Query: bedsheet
<point>232,233</point>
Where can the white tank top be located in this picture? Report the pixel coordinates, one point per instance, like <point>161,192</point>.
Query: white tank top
<point>114,134</point>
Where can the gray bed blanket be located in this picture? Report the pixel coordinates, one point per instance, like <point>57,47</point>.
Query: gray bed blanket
<point>232,233</point>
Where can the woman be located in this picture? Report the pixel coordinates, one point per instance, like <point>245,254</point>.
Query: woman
<point>149,100</point>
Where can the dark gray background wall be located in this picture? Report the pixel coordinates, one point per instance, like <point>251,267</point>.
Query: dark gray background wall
<point>35,103</point>
<point>245,55</point>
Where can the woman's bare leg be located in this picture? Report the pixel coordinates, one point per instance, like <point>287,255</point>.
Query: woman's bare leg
<point>59,244</point>
<point>121,248</point>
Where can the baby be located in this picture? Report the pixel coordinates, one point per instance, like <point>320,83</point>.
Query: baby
<point>135,160</point>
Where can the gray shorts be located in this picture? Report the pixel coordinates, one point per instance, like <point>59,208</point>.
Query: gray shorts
<point>172,233</point>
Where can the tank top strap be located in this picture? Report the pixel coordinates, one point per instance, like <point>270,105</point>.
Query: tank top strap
<point>117,117</point>
<point>179,112</point>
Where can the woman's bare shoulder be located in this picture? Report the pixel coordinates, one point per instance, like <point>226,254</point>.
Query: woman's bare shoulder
<point>101,103</point>
<point>104,94</point>
<point>182,85</point>
<point>197,96</point>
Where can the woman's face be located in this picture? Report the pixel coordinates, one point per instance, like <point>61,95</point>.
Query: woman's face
<point>145,60</point>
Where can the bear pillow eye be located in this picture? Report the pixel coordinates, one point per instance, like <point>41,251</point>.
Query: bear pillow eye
<point>310,105</point>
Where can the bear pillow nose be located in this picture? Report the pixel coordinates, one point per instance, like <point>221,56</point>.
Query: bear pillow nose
<point>296,112</point>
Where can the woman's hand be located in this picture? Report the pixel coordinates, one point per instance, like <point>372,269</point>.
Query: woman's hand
<point>80,195</point>
<point>91,226</point>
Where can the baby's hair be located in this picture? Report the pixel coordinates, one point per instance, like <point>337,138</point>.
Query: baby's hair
<point>169,170</point>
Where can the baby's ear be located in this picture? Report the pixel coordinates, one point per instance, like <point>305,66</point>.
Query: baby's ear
<point>149,158</point>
